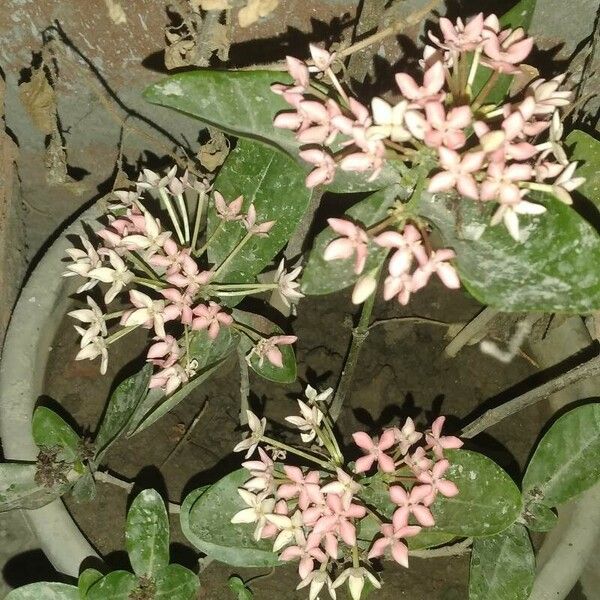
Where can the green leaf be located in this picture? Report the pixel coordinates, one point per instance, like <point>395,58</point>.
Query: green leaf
<point>520,15</point>
<point>586,150</point>
<point>566,462</point>
<point>86,580</point>
<point>84,489</point>
<point>175,582</point>
<point>159,409</point>
<point>117,585</point>
<point>19,489</point>
<point>286,373</point>
<point>50,431</point>
<point>488,500</point>
<point>44,591</point>
<point>502,566</point>
<point>553,270</point>
<point>121,408</point>
<point>324,277</point>
<point>274,183</point>
<point>348,182</point>
<point>538,517</point>
<point>241,103</point>
<point>238,587</point>
<point>207,351</point>
<point>147,534</point>
<point>206,522</point>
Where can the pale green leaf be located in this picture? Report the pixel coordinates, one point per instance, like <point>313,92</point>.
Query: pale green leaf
<point>117,585</point>
<point>206,522</point>
<point>586,151</point>
<point>502,566</point>
<point>87,579</point>
<point>175,582</point>
<point>44,591</point>
<point>538,517</point>
<point>84,489</point>
<point>566,462</point>
<point>51,431</point>
<point>147,534</point>
<point>238,587</point>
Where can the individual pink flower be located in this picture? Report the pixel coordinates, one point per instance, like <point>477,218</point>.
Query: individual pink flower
<point>411,502</point>
<point>509,214</point>
<point>173,258</point>
<point>210,317</point>
<point>354,241</point>
<point>231,211</point>
<point>375,451</point>
<point>148,313</point>
<point>270,530</point>
<point>370,158</point>
<point>433,82</point>
<point>460,37</point>
<point>437,263</point>
<point>457,172</point>
<point>307,553</point>
<point>165,352</point>
<point>151,240</point>
<point>418,461</point>
<point>407,435</point>
<point>434,481</point>
<point>438,442</point>
<point>407,244</point>
<point>391,539</point>
<point>304,487</point>
<point>389,121</point>
<point>504,144</point>
<point>401,286</point>
<point>502,182</point>
<point>254,228</point>
<point>169,379</point>
<point>340,520</point>
<point>344,486</point>
<point>262,472</point>
<point>179,307</point>
<point>437,128</point>
<point>190,278</point>
<point>268,348</point>
<point>361,114</point>
<point>565,183</point>
<point>324,170</point>
<point>321,129</point>
<point>505,50</point>
<point>547,96</point>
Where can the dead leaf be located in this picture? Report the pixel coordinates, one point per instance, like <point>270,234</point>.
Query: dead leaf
<point>39,100</point>
<point>178,51</point>
<point>220,40</point>
<point>116,12</point>
<point>255,10</point>
<point>213,154</point>
<point>210,4</point>
<point>526,75</point>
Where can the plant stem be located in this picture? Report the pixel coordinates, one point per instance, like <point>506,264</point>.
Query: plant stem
<point>244,386</point>
<point>278,444</point>
<point>232,254</point>
<point>152,284</point>
<point>172,215</point>
<point>213,235</point>
<point>119,334</point>
<point>184,216</point>
<point>394,29</point>
<point>470,330</point>
<point>141,265</point>
<point>198,220</point>
<point>359,335</point>
<point>473,71</point>
<point>485,91</point>
<point>414,319</point>
<point>453,550</point>
<point>590,368</point>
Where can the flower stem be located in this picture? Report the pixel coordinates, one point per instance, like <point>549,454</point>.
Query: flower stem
<point>198,219</point>
<point>121,333</point>
<point>184,216</point>
<point>485,91</point>
<point>338,86</point>
<point>172,215</point>
<point>152,284</point>
<point>141,265</point>
<point>213,235</point>
<point>232,254</point>
<point>287,448</point>
<point>473,72</point>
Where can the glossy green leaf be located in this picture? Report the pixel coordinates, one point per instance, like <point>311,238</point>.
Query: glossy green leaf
<point>19,489</point>
<point>488,500</point>
<point>258,323</point>
<point>586,151</point>
<point>538,517</point>
<point>206,522</point>
<point>87,579</point>
<point>552,270</point>
<point>175,582</point>
<point>51,431</point>
<point>238,587</point>
<point>566,462</point>
<point>84,489</point>
<point>502,566</point>
<point>274,183</point>
<point>121,408</point>
<point>117,585</point>
<point>520,15</point>
<point>324,277</point>
<point>147,534</point>
<point>44,591</point>
<point>206,351</point>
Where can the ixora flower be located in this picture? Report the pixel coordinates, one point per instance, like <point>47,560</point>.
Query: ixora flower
<point>375,450</point>
<point>231,211</point>
<point>315,397</point>
<point>391,539</point>
<point>353,242</point>
<point>211,318</point>
<point>84,261</point>
<point>308,423</point>
<point>356,576</point>
<point>254,228</point>
<point>268,348</point>
<point>95,319</point>
<point>389,121</point>
<point>317,580</point>
<point>257,431</point>
<point>438,442</point>
<point>287,285</point>
<point>95,348</point>
<point>119,276</point>
<point>260,506</point>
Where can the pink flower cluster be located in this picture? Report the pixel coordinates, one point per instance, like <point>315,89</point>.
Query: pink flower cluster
<point>135,252</point>
<point>485,151</point>
<point>315,516</point>
<point>406,250</point>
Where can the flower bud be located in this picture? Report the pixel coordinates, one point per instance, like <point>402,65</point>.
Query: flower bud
<point>363,288</point>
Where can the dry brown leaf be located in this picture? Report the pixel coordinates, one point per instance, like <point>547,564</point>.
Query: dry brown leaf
<point>177,52</point>
<point>213,154</point>
<point>220,40</point>
<point>39,100</point>
<point>255,10</point>
<point>116,12</point>
<point>210,4</point>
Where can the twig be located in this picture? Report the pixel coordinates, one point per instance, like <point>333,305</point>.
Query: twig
<point>244,386</point>
<point>186,434</point>
<point>104,477</point>
<point>469,331</point>
<point>397,27</point>
<point>457,549</point>
<point>413,319</point>
<point>590,368</point>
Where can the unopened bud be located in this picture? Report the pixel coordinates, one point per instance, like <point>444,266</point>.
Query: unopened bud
<point>363,288</point>
<point>492,140</point>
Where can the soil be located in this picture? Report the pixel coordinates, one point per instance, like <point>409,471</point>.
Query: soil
<point>402,372</point>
